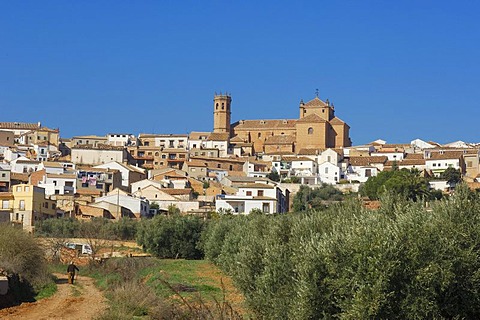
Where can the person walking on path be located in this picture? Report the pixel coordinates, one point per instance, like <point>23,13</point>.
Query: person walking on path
<point>71,272</point>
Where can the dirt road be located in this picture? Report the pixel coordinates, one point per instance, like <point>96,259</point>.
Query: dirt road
<point>80,301</point>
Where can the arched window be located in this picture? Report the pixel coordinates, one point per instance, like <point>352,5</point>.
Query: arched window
<point>310,130</point>
<point>216,106</point>
<point>259,134</point>
<point>223,106</point>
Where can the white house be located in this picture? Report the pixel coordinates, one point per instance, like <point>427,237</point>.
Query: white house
<point>54,183</point>
<point>130,174</point>
<point>24,165</point>
<point>329,173</point>
<point>391,155</point>
<point>439,160</point>
<point>89,155</point>
<point>421,145</point>
<point>140,207</point>
<point>165,197</point>
<point>120,139</point>
<point>265,197</point>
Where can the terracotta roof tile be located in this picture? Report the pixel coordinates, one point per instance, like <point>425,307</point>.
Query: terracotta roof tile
<point>310,152</point>
<point>316,102</point>
<point>311,118</point>
<point>336,120</point>
<point>196,135</point>
<point>218,136</point>
<point>19,125</point>
<point>264,124</point>
<point>236,139</point>
<point>176,192</point>
<point>366,161</point>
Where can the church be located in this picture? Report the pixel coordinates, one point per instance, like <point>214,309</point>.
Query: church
<point>317,128</point>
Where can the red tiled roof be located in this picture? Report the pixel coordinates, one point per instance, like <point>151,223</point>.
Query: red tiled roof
<point>315,102</point>
<point>311,118</point>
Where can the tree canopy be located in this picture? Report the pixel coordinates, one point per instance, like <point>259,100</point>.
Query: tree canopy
<point>405,182</point>
<point>308,198</point>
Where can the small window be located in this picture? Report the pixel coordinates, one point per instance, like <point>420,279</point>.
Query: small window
<point>223,106</point>
<point>259,134</point>
<point>260,193</point>
<point>249,193</point>
<point>310,130</point>
<point>27,189</point>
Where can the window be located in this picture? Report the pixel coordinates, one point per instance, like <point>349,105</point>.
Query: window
<point>230,167</point>
<point>249,193</point>
<point>19,189</point>
<point>329,159</point>
<point>326,169</point>
<point>259,134</point>
<point>146,143</point>
<point>5,204</point>
<point>218,165</point>
<point>469,164</point>
<point>266,207</point>
<point>85,185</point>
<point>3,175</point>
<point>368,172</point>
<point>53,205</point>
<point>27,189</point>
<point>260,193</point>
<point>22,205</point>
<point>216,106</point>
<point>223,106</point>
<point>310,130</point>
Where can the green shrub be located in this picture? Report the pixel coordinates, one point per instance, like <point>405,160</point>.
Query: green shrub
<point>172,236</point>
<point>22,259</point>
<point>398,262</point>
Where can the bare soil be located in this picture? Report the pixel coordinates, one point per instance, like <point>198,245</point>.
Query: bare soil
<point>79,301</point>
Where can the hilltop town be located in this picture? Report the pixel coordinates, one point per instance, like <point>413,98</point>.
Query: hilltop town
<point>236,168</point>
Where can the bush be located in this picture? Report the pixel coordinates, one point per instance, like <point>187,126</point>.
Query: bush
<point>172,237</point>
<point>398,262</point>
<point>22,259</point>
<point>97,228</point>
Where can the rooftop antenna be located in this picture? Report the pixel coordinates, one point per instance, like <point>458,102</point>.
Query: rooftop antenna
<point>316,93</point>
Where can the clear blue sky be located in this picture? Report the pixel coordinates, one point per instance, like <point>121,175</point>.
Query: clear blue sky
<point>396,70</point>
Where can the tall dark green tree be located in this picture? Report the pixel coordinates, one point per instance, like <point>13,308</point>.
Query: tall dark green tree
<point>452,175</point>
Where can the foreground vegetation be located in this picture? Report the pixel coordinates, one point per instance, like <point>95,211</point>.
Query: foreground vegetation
<point>22,260</point>
<point>150,288</point>
<point>399,262</point>
<point>402,261</point>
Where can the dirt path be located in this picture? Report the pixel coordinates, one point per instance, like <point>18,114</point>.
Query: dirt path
<point>80,301</point>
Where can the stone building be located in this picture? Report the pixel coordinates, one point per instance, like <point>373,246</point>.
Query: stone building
<point>316,128</point>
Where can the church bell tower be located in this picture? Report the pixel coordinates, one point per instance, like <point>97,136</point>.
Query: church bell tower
<point>221,113</point>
